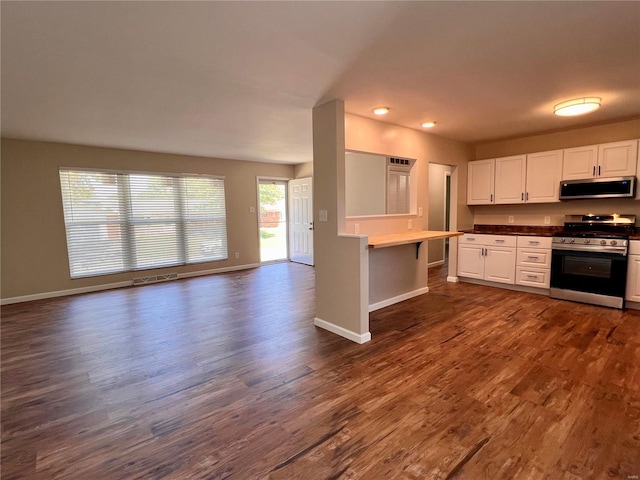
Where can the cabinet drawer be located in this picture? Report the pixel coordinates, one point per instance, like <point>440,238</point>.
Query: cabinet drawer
<point>534,242</point>
<point>487,239</point>
<point>634,247</point>
<point>501,240</point>
<point>532,277</point>
<point>473,239</point>
<point>530,257</point>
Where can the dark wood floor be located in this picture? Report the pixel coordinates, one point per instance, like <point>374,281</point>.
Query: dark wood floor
<point>226,377</point>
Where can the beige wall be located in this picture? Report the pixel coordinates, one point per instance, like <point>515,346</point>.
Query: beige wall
<point>303,170</point>
<point>34,253</point>
<point>533,214</point>
<point>612,132</point>
<point>366,135</point>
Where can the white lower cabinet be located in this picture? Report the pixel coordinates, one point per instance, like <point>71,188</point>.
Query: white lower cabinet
<point>633,272</point>
<point>487,257</point>
<point>533,262</point>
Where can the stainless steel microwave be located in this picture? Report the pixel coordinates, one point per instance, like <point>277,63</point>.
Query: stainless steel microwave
<point>618,187</point>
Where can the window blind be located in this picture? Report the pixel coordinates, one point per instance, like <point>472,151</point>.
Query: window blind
<point>118,221</point>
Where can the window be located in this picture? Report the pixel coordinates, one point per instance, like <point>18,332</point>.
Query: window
<point>119,222</point>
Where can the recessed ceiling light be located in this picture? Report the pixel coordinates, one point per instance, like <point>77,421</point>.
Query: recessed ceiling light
<point>578,106</point>
<point>429,124</point>
<point>381,110</point>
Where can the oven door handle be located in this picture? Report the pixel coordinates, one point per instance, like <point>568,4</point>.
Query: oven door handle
<point>622,251</point>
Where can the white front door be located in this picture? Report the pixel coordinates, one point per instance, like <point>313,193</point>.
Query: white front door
<point>301,221</point>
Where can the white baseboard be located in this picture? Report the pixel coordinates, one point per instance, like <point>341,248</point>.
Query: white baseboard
<point>435,264</point>
<point>400,298</point>
<point>343,332</point>
<point>507,286</point>
<point>632,305</point>
<point>64,293</point>
<point>453,279</point>
<point>201,273</point>
<point>109,286</point>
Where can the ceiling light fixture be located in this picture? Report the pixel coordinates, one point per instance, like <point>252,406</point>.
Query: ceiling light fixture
<point>578,106</point>
<point>381,110</point>
<point>429,124</point>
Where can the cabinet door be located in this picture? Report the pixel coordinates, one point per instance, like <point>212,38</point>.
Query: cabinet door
<point>511,176</point>
<point>480,184</point>
<point>544,170</point>
<point>633,279</point>
<point>580,163</point>
<point>500,265</point>
<point>617,159</point>
<point>470,261</point>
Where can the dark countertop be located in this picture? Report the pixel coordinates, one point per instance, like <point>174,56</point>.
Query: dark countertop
<point>529,230</point>
<point>533,230</point>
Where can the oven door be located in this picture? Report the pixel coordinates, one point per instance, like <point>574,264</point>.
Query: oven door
<point>599,273</point>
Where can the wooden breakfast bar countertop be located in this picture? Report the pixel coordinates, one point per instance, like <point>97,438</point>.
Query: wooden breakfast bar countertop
<point>405,238</point>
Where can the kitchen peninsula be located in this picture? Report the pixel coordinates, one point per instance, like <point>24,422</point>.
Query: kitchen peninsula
<point>397,266</point>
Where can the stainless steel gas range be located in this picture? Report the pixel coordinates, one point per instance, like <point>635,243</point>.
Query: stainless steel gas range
<point>589,259</point>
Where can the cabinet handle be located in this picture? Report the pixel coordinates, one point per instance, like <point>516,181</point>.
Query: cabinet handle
<point>532,276</point>
<point>471,239</point>
<point>534,242</point>
<point>594,171</point>
<point>598,170</point>
<point>491,197</point>
<point>522,197</point>
<point>499,240</point>
<point>526,197</point>
<point>532,257</point>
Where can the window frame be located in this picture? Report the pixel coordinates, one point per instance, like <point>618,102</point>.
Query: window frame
<point>127,223</point>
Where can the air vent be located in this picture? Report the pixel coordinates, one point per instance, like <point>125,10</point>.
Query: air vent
<point>155,279</point>
<point>398,163</point>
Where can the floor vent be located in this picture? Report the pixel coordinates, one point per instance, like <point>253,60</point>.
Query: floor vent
<point>155,279</point>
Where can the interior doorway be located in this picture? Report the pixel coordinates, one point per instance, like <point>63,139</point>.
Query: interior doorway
<point>439,211</point>
<point>272,223</point>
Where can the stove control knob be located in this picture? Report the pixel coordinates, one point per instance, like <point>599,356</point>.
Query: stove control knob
<point>614,243</point>
<point>562,240</point>
<point>572,240</point>
<point>603,242</point>
<point>587,240</point>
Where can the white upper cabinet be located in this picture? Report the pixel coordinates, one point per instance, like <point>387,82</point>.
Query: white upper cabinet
<point>544,171</point>
<point>480,182</point>
<point>511,173</point>
<point>617,159</point>
<point>580,162</point>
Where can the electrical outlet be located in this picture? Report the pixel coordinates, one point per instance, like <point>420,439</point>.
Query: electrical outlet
<point>547,219</point>
<point>323,216</point>
<point>419,211</point>
<point>510,218</point>
<point>237,255</point>
<point>252,209</point>
<point>410,224</point>
<point>356,228</point>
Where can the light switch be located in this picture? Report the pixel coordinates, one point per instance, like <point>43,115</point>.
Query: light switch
<point>356,228</point>
<point>252,209</point>
<point>323,216</point>
<point>547,219</point>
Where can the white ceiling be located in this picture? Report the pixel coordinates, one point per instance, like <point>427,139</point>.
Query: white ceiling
<point>239,79</point>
